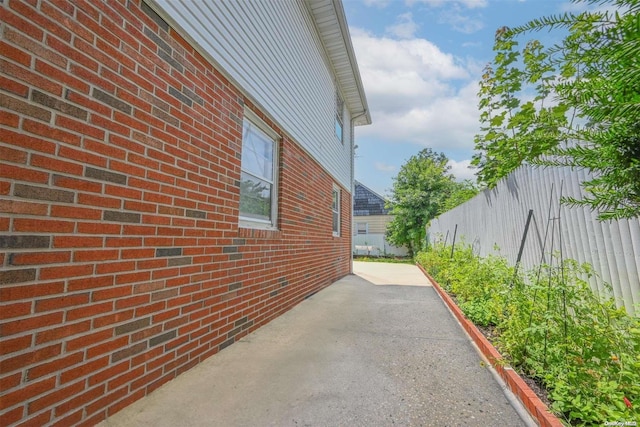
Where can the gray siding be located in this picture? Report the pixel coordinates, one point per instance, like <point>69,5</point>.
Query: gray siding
<point>366,202</point>
<point>498,217</point>
<point>272,51</point>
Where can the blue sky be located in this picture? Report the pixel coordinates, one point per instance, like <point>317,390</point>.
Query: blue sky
<point>420,61</point>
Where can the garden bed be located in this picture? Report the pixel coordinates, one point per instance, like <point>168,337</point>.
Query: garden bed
<point>489,333</point>
<point>530,397</point>
<point>552,327</point>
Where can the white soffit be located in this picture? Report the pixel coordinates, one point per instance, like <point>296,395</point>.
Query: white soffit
<point>331,24</point>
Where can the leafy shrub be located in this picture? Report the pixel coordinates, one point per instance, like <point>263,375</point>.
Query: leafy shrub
<point>583,349</point>
<point>578,344</point>
<point>480,285</point>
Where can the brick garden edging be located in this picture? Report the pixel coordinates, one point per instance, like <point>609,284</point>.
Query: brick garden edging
<point>536,408</point>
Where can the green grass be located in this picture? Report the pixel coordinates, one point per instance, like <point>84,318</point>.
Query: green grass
<point>392,260</point>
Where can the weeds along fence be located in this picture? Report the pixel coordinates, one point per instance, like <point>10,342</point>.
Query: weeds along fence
<point>495,221</point>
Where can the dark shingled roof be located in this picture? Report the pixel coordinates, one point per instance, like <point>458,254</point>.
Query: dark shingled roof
<point>367,202</point>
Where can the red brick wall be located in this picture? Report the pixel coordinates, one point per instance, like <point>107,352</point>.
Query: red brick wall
<point>122,263</point>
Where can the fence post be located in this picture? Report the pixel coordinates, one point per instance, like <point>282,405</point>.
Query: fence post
<point>453,243</point>
<point>524,239</point>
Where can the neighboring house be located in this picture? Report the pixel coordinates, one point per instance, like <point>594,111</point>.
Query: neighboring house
<point>370,219</point>
<point>173,175</point>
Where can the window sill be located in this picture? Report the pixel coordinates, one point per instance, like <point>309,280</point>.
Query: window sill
<point>257,225</point>
<point>259,233</point>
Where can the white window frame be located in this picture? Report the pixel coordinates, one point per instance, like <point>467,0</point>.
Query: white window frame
<point>339,119</point>
<point>366,228</point>
<point>265,131</point>
<point>335,210</point>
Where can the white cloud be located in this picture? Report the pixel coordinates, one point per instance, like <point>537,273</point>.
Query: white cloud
<point>380,4</point>
<point>417,93</point>
<point>442,122</point>
<point>461,170</point>
<point>470,4</point>
<point>454,13</point>
<point>579,7</point>
<point>574,7</point>
<point>472,44</point>
<point>461,22</point>
<point>419,55</point>
<point>383,167</point>
<point>404,28</point>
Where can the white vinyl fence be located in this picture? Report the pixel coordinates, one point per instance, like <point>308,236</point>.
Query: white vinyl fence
<point>497,218</point>
<point>375,244</point>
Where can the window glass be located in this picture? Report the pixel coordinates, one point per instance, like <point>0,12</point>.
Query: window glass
<point>255,197</point>
<point>339,129</point>
<point>335,208</point>
<point>257,180</point>
<point>257,151</point>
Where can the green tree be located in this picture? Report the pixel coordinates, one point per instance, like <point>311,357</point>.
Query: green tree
<point>460,192</point>
<point>575,104</point>
<point>420,193</point>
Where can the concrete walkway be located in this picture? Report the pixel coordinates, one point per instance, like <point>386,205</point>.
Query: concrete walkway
<point>377,348</point>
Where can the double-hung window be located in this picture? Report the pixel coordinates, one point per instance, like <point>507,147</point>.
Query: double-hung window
<point>335,210</point>
<point>362,227</point>
<point>258,180</point>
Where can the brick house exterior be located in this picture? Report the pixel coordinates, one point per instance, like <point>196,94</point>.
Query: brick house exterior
<point>123,262</point>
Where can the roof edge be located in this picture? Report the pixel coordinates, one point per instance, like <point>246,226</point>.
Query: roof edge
<point>344,28</point>
<point>360,114</point>
<point>356,182</point>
